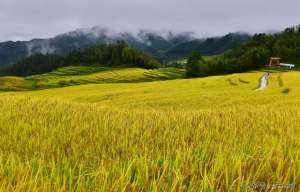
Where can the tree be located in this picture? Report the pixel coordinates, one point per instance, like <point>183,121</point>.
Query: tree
<point>112,55</point>
<point>195,66</point>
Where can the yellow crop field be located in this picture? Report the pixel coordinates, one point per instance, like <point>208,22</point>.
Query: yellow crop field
<point>205,134</point>
<point>80,75</point>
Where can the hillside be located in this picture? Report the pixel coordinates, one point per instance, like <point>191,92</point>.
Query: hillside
<point>255,53</point>
<point>206,134</point>
<point>109,55</point>
<point>210,46</point>
<point>163,46</point>
<point>203,93</point>
<point>93,74</point>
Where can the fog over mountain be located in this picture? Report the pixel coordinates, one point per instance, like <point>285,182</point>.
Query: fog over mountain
<point>24,20</point>
<point>160,44</point>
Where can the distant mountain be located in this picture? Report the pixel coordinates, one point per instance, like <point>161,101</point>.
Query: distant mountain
<point>209,46</point>
<point>163,46</point>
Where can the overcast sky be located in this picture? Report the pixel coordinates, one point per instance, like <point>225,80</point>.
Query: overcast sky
<point>26,19</point>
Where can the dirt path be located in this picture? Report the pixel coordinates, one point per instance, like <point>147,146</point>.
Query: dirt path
<point>264,81</point>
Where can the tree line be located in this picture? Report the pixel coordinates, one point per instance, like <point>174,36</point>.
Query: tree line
<point>250,56</point>
<point>112,55</point>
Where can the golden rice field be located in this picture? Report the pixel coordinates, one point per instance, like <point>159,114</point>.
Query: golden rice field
<point>206,134</point>
<point>80,75</point>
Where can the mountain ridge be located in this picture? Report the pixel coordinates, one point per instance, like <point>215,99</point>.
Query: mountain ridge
<point>157,44</point>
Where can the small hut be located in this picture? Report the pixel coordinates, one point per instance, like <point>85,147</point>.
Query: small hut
<point>274,61</point>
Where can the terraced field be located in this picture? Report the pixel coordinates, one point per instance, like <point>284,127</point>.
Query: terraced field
<point>206,134</point>
<point>78,75</point>
<point>185,94</point>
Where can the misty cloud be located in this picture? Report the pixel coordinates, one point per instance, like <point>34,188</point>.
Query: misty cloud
<point>23,20</point>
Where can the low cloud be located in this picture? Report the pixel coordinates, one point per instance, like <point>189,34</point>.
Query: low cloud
<point>23,20</point>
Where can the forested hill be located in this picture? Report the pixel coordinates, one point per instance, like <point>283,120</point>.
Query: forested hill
<point>209,46</point>
<point>162,46</point>
<point>255,53</point>
<point>111,55</point>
